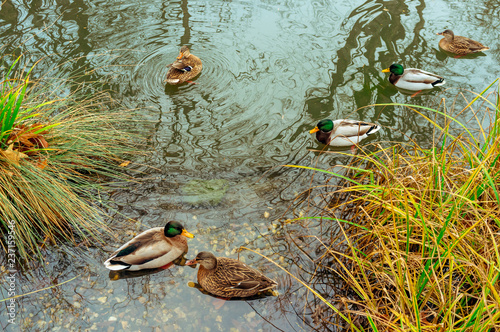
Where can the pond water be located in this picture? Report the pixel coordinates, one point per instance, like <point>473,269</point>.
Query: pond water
<point>272,70</point>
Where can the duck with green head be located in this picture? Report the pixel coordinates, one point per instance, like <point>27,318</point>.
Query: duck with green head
<point>412,79</point>
<point>154,248</point>
<point>343,132</point>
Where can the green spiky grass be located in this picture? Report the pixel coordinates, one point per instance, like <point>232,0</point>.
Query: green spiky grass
<point>55,193</point>
<point>421,231</point>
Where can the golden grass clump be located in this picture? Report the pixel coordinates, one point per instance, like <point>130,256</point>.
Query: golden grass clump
<point>427,256</point>
<point>56,156</point>
<point>421,229</point>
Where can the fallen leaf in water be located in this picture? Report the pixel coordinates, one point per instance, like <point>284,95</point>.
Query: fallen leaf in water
<point>125,163</point>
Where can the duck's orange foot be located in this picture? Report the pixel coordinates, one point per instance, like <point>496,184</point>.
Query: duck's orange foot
<point>168,266</point>
<point>353,149</point>
<point>459,56</point>
<point>415,94</point>
<point>192,82</point>
<point>219,302</point>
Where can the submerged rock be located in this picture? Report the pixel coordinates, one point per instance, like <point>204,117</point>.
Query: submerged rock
<point>201,192</point>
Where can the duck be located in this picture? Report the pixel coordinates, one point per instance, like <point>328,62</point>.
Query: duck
<point>228,277</point>
<point>459,45</point>
<point>185,68</point>
<point>155,248</point>
<point>412,79</point>
<point>343,132</point>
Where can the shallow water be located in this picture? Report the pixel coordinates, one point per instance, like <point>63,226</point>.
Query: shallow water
<point>272,70</point>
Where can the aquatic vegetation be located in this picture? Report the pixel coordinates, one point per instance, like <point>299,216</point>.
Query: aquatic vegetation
<point>419,228</point>
<point>208,192</point>
<point>56,155</point>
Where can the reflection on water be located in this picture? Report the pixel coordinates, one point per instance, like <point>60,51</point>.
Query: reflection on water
<point>272,70</point>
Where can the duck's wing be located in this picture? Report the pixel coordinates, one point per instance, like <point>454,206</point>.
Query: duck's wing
<point>235,275</point>
<point>143,248</point>
<point>468,44</point>
<point>351,128</point>
<point>413,75</point>
<point>181,65</point>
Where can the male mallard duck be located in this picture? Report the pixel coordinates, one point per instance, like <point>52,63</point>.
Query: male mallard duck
<point>154,248</point>
<point>228,277</point>
<point>459,45</point>
<point>343,132</point>
<point>412,79</point>
<point>185,68</point>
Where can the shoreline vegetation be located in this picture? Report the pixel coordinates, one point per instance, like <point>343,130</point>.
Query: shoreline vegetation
<point>418,228</point>
<point>61,144</point>
<point>418,231</point>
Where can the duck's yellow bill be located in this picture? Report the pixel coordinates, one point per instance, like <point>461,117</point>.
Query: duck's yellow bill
<point>312,131</point>
<point>180,56</point>
<point>386,70</point>
<point>187,234</point>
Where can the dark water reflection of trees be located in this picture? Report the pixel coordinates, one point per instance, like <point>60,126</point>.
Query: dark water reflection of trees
<point>376,35</point>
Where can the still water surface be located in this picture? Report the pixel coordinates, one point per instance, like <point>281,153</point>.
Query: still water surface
<point>272,70</point>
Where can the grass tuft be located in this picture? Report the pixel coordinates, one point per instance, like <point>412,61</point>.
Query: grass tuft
<point>58,151</point>
<point>420,229</point>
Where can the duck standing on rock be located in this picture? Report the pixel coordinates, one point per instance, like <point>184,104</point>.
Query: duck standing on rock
<point>155,248</point>
<point>185,68</point>
<point>228,277</point>
<point>459,45</point>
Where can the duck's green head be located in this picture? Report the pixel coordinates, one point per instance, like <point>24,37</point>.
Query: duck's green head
<point>325,125</point>
<point>395,68</point>
<point>174,228</point>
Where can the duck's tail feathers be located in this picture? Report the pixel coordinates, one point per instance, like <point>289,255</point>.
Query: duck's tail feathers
<point>373,129</point>
<point>116,265</point>
<point>439,82</point>
<point>172,81</point>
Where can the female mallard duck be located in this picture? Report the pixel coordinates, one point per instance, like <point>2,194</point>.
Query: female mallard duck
<point>228,277</point>
<point>185,68</point>
<point>154,248</point>
<point>459,45</point>
<point>343,132</point>
<point>412,79</point>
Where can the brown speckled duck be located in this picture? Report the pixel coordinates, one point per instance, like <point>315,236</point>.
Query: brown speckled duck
<point>154,248</point>
<point>186,67</point>
<point>459,45</point>
<point>228,277</point>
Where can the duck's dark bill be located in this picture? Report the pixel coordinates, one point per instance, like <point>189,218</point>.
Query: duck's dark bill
<point>190,262</point>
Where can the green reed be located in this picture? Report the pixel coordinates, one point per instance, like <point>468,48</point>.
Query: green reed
<point>57,157</point>
<point>422,227</point>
